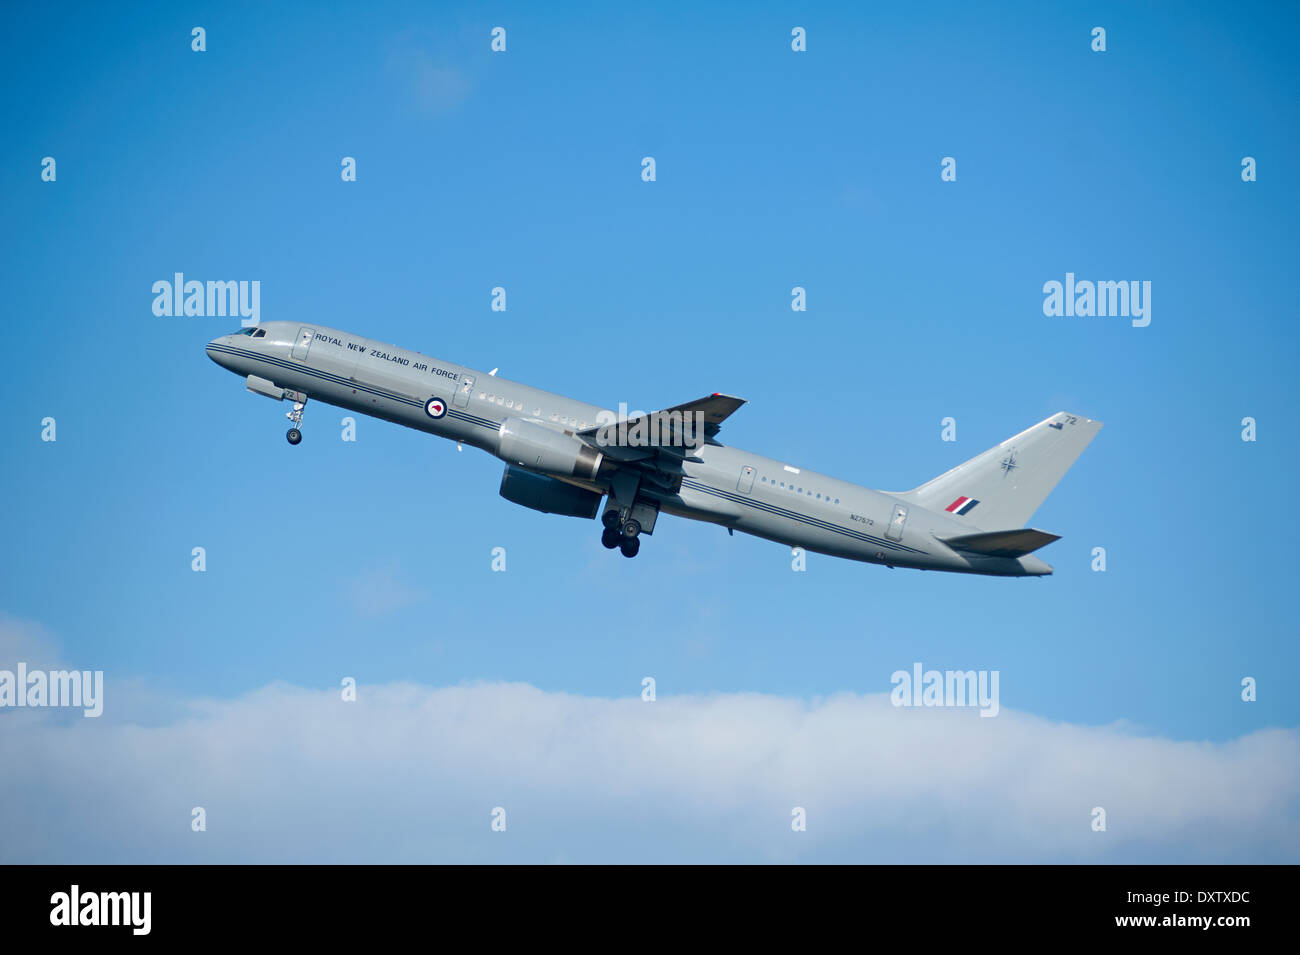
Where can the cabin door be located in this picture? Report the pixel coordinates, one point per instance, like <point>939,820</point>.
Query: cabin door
<point>895,530</point>
<point>299,350</point>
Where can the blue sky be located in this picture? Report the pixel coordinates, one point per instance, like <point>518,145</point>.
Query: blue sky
<point>775,169</point>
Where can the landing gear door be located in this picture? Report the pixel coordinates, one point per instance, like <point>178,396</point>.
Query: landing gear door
<point>895,529</point>
<point>299,350</point>
<point>746,482</point>
<point>463,392</point>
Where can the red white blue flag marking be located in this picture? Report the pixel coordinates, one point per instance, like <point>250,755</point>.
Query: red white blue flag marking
<point>961,506</point>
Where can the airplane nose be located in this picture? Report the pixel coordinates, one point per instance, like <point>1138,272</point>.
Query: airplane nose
<point>216,352</point>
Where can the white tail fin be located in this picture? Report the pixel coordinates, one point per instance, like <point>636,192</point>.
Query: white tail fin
<point>1002,487</point>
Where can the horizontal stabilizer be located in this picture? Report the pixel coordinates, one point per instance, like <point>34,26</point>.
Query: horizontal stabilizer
<point>1015,543</point>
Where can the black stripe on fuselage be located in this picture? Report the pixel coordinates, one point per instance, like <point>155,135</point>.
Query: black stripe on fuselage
<point>795,515</point>
<point>353,384</point>
<point>495,426</point>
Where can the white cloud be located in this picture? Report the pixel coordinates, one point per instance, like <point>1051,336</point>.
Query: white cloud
<point>411,773</point>
<point>26,641</point>
<point>380,590</point>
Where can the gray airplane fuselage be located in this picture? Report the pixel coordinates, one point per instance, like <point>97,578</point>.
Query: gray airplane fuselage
<point>723,485</point>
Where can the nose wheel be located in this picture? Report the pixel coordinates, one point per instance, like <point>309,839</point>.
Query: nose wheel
<point>294,435</point>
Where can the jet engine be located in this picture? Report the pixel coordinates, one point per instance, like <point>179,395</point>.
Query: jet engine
<point>539,448</point>
<point>546,494</point>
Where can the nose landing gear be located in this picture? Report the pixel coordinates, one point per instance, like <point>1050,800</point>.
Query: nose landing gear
<point>294,435</point>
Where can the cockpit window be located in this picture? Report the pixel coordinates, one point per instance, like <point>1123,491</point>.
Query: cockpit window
<point>245,331</point>
<point>259,333</point>
<point>253,332</point>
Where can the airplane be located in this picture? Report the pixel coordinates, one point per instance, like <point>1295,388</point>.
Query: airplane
<point>567,457</point>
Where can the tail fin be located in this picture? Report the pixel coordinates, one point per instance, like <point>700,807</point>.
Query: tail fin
<point>1002,487</point>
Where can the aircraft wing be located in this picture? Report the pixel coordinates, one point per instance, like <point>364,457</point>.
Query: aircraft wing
<point>675,431</point>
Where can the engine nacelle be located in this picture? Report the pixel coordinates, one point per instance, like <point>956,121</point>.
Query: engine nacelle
<point>540,448</point>
<point>548,495</point>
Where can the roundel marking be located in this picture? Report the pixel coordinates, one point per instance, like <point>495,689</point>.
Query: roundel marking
<point>435,407</point>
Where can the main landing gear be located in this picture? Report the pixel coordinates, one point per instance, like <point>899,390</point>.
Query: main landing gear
<point>294,435</point>
<point>625,535</point>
